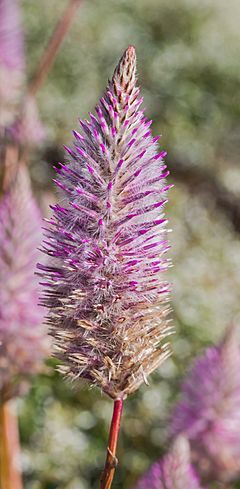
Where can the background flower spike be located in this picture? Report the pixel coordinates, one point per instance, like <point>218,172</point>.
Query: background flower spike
<point>23,341</point>
<point>173,471</point>
<point>12,61</point>
<point>209,416</point>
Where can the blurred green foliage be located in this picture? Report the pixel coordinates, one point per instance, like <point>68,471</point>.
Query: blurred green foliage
<point>188,66</point>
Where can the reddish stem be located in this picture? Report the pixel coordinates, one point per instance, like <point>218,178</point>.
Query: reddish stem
<point>53,46</point>
<point>10,160</point>
<point>10,476</point>
<point>111,459</point>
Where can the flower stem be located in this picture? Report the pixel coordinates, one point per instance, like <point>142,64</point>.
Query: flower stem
<point>10,161</point>
<point>111,460</point>
<point>53,46</point>
<point>10,476</point>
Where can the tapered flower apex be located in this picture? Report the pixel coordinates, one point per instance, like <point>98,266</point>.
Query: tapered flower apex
<point>174,471</point>
<point>23,343</point>
<point>208,412</point>
<point>104,281</point>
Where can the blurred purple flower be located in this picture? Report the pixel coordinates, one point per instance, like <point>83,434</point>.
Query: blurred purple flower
<point>18,112</point>
<point>12,61</point>
<point>28,129</point>
<point>11,38</point>
<point>208,412</point>
<point>173,471</point>
<point>107,241</point>
<point>23,344</point>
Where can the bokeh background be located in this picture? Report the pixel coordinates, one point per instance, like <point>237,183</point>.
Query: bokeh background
<point>188,63</point>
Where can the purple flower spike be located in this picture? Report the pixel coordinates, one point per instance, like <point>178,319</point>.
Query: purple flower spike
<point>106,293</point>
<point>11,39</point>
<point>23,343</point>
<point>174,471</point>
<point>12,61</point>
<point>208,412</point>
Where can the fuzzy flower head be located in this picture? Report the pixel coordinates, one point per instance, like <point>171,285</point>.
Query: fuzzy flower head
<point>173,471</point>
<point>12,60</point>
<point>23,343</point>
<point>104,281</point>
<point>208,411</point>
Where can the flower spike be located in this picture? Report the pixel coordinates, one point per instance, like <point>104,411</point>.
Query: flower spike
<point>209,416</point>
<point>106,243</point>
<point>23,341</point>
<point>12,60</point>
<point>173,471</point>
